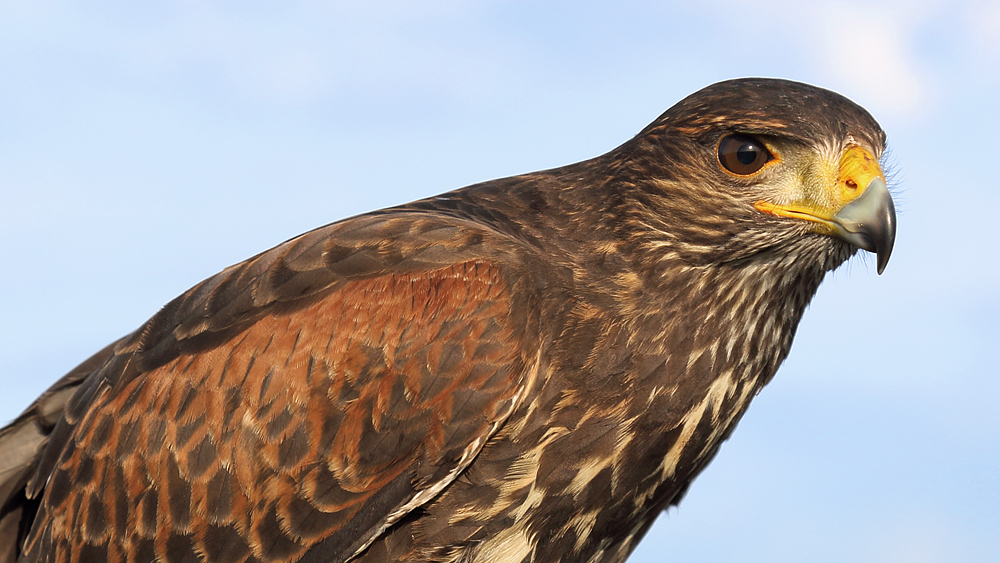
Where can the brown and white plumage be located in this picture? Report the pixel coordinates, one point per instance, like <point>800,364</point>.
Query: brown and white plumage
<point>528,369</point>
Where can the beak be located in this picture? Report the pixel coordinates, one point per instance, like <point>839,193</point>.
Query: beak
<point>856,207</point>
<point>869,222</point>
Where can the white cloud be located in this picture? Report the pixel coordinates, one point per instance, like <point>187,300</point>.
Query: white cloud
<point>984,21</point>
<point>871,50</point>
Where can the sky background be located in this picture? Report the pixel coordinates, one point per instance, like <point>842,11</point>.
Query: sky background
<point>146,145</point>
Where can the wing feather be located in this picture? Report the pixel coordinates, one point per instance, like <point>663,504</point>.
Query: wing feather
<point>292,407</point>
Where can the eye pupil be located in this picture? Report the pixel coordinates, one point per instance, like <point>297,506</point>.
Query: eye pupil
<point>747,153</point>
<point>743,154</point>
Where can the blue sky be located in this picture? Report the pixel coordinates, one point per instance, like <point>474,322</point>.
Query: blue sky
<point>145,146</point>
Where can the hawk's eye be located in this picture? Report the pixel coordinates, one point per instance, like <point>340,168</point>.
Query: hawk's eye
<point>743,154</point>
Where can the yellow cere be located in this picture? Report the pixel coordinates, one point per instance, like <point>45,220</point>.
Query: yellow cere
<point>858,168</point>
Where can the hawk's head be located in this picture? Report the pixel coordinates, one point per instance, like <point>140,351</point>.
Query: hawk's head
<point>765,168</point>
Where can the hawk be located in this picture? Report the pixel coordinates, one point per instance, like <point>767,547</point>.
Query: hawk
<point>529,369</point>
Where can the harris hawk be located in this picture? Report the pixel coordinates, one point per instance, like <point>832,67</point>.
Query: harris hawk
<point>529,369</point>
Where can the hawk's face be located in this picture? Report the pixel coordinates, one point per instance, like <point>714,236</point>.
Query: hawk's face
<point>751,170</point>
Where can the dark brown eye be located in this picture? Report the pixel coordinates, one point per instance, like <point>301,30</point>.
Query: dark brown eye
<point>743,154</point>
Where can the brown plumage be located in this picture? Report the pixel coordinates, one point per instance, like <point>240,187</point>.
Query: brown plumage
<point>529,369</point>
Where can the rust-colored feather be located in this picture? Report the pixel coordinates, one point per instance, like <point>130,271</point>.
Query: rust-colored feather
<point>317,423</point>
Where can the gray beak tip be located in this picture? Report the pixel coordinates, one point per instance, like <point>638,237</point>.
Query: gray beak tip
<point>869,222</point>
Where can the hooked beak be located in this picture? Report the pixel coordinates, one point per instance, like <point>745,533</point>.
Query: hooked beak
<point>869,222</point>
